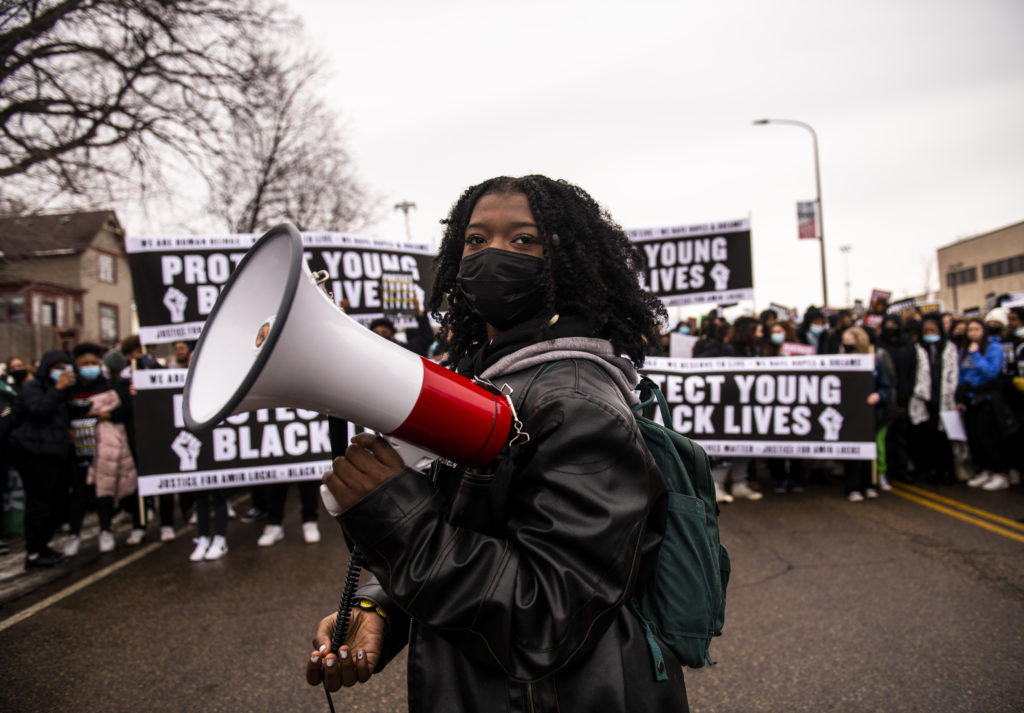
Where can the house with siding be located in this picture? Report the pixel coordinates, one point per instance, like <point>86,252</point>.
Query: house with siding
<point>63,279</point>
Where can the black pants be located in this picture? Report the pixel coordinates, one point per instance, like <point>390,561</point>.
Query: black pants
<point>858,475</point>
<point>105,509</point>
<point>934,456</point>
<point>166,507</point>
<point>309,495</point>
<point>897,447</point>
<point>79,493</point>
<point>220,512</point>
<point>41,476</point>
<point>797,473</point>
<point>988,448</point>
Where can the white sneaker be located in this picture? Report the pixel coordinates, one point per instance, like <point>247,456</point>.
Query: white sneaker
<point>135,536</point>
<point>743,490</point>
<point>871,494</point>
<point>855,497</point>
<point>106,541</point>
<point>883,483</point>
<point>231,513</point>
<point>271,534</point>
<point>310,532</point>
<point>71,546</point>
<point>979,480</point>
<point>166,534</point>
<point>193,518</point>
<point>218,548</point>
<point>997,482</point>
<point>202,544</point>
<point>721,495</point>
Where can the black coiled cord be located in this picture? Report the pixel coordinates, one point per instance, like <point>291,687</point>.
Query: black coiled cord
<point>348,596</point>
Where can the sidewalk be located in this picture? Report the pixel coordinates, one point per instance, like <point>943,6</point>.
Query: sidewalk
<point>16,582</point>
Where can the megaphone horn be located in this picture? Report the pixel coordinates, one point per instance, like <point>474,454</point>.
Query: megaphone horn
<point>275,339</point>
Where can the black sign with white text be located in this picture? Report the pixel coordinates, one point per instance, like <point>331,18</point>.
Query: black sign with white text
<point>264,446</point>
<point>177,279</point>
<point>778,407</point>
<point>695,264</point>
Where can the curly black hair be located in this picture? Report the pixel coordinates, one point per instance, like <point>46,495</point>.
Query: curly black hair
<point>596,266</point>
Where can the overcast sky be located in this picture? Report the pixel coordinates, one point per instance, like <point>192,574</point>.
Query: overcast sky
<point>648,105</point>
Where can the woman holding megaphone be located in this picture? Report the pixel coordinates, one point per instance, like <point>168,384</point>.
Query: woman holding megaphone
<point>511,582</point>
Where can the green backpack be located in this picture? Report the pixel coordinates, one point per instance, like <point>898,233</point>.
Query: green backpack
<point>683,604</point>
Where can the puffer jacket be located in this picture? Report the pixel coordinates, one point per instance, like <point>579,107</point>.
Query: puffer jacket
<point>41,412</point>
<point>511,586</point>
<point>113,469</point>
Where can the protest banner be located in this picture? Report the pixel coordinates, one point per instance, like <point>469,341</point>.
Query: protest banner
<point>177,279</point>
<point>255,448</point>
<point>773,407</point>
<point>929,307</point>
<point>900,306</point>
<point>697,264</point>
<point>879,301</point>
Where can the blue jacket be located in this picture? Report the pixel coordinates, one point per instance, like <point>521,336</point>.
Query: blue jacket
<point>979,368</point>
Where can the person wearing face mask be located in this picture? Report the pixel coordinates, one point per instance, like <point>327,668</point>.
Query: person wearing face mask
<point>41,450</point>
<point>788,474</point>
<point>980,399</point>
<point>814,329</point>
<point>511,584</point>
<point>904,361</point>
<point>106,467</point>
<point>934,391</point>
<point>860,482</point>
<point>16,373</point>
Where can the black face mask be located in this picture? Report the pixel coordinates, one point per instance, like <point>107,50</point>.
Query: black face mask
<point>19,375</point>
<point>849,349</point>
<point>503,287</point>
<point>891,334</point>
<point>995,331</point>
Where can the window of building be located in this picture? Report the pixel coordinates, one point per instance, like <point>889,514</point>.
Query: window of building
<point>107,270</point>
<point>962,277</point>
<point>48,314</point>
<point>108,323</point>
<point>1006,266</point>
<point>16,308</point>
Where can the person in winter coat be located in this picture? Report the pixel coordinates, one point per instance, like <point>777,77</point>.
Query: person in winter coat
<point>814,330</point>
<point>980,400</point>
<point>934,391</point>
<point>900,348</point>
<point>41,446</point>
<point>859,479</point>
<point>518,599</point>
<point>103,452</point>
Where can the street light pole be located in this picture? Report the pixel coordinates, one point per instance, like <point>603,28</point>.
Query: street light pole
<point>845,250</point>
<point>952,274</point>
<point>817,198</point>
<point>405,207</point>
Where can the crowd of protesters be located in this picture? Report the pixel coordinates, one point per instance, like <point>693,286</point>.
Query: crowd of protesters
<point>67,421</point>
<point>925,364</point>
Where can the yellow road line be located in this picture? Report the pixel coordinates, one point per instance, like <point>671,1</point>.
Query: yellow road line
<point>961,506</point>
<point>961,516</point>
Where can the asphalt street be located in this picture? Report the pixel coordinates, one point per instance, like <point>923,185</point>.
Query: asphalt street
<point>913,602</point>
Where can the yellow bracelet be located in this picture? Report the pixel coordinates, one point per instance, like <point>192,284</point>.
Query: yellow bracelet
<point>367,605</point>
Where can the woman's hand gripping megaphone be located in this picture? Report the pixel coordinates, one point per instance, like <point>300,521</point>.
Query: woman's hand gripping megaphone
<point>369,460</point>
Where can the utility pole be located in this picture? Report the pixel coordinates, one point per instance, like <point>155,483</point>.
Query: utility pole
<point>817,199</point>
<point>845,250</point>
<point>405,207</point>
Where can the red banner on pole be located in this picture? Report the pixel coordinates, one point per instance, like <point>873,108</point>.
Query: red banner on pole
<point>807,219</point>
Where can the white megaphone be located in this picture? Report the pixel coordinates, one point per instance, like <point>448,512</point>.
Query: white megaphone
<point>275,339</point>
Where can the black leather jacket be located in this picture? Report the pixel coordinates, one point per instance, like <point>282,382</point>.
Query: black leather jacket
<point>512,587</point>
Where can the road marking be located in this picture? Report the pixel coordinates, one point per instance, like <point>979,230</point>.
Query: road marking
<point>960,515</point>
<point>962,506</point>
<point>81,584</point>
